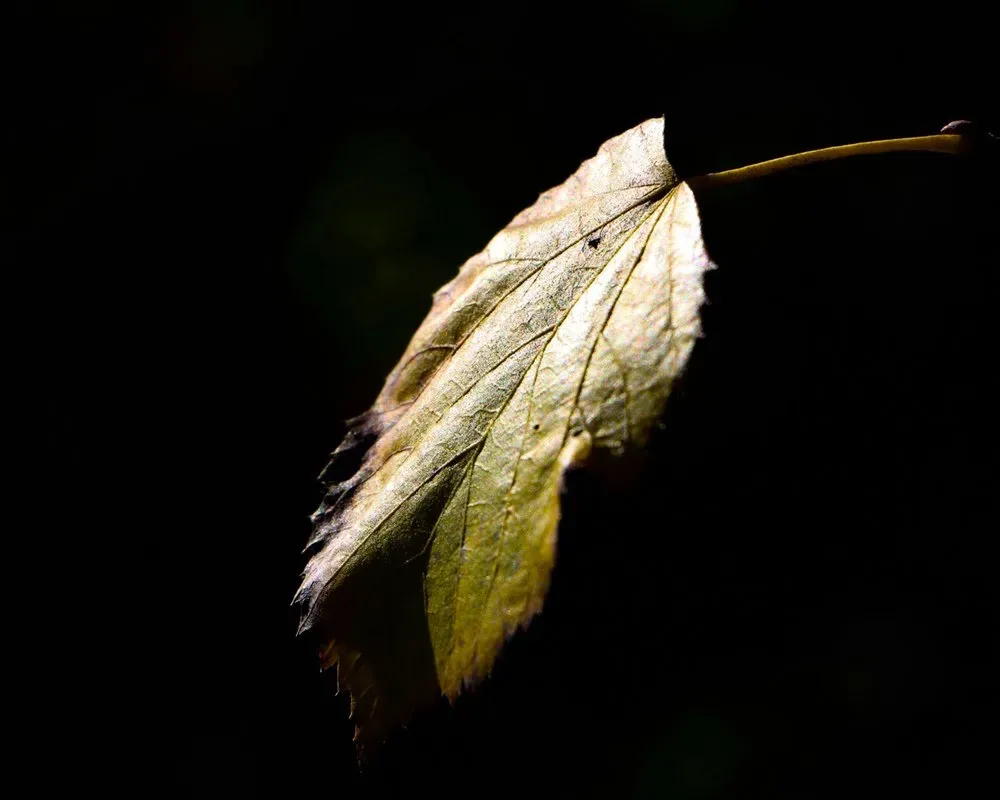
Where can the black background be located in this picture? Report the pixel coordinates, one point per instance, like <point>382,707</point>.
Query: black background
<point>230,218</point>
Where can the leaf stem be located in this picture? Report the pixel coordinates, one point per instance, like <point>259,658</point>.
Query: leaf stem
<point>939,143</point>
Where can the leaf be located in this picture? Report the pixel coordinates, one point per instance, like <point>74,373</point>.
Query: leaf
<point>565,333</point>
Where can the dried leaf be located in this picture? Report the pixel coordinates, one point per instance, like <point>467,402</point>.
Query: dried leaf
<point>564,334</point>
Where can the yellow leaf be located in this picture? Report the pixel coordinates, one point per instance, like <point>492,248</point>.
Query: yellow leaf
<point>564,334</point>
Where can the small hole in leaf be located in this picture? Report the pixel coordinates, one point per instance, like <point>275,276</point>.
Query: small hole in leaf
<point>594,242</point>
<point>535,427</point>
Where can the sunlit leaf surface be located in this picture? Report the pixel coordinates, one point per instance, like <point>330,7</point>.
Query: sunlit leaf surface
<point>564,334</point>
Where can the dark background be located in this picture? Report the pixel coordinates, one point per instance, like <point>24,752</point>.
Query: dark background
<point>230,217</point>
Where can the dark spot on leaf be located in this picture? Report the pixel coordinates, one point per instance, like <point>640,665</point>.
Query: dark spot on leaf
<point>594,242</point>
<point>535,427</point>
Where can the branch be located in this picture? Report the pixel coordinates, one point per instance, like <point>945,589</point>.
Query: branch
<point>953,144</point>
